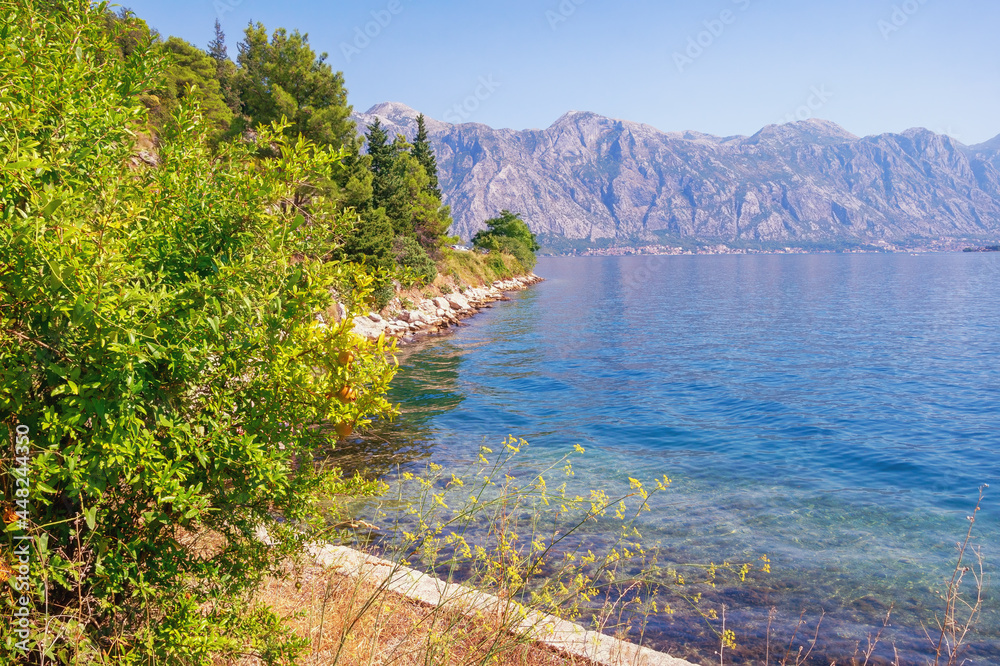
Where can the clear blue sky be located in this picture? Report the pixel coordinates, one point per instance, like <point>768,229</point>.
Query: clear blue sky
<point>870,65</point>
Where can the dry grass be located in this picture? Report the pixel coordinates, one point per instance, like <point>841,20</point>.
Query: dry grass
<point>460,270</point>
<point>353,622</point>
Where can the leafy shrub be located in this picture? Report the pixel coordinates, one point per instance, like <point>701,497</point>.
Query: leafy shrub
<point>509,233</point>
<point>512,246</point>
<point>160,348</point>
<point>414,261</point>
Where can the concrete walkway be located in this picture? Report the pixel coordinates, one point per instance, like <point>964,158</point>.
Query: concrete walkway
<point>565,637</point>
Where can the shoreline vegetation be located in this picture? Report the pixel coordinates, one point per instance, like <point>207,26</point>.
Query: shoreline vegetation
<point>195,253</point>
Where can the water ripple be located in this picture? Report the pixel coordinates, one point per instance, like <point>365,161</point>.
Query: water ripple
<point>837,412</point>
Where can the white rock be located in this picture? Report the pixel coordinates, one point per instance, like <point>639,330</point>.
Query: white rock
<point>441,303</point>
<point>366,328</point>
<point>377,318</point>
<point>458,302</point>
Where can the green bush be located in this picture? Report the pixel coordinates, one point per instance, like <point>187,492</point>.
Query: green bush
<point>160,349</point>
<point>417,266</point>
<point>512,246</point>
<point>509,233</point>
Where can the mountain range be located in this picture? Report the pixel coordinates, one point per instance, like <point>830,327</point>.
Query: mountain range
<point>588,177</point>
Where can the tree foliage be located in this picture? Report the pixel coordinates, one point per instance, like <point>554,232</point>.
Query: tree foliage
<point>225,69</point>
<point>402,187</point>
<point>279,76</point>
<point>509,233</point>
<point>190,71</point>
<point>424,154</point>
<point>417,266</point>
<point>282,76</point>
<point>371,242</point>
<point>388,177</point>
<point>159,342</point>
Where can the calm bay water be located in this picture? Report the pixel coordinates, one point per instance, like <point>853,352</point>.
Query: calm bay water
<point>835,412</point>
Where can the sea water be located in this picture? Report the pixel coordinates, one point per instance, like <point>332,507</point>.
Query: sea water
<point>835,412</point>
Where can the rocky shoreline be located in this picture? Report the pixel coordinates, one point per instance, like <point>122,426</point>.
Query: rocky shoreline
<point>438,314</point>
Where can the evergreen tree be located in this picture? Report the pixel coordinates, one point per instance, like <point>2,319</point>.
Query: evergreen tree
<point>388,177</point>
<point>371,241</point>
<point>425,155</point>
<point>283,76</point>
<point>217,47</point>
<point>189,70</point>
<point>424,214</point>
<point>381,153</point>
<point>129,34</point>
<point>225,69</point>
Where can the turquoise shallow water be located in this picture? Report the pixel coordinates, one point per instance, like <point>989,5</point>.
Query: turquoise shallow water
<point>836,412</point>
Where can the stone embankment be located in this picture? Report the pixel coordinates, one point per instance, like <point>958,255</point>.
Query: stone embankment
<point>433,315</point>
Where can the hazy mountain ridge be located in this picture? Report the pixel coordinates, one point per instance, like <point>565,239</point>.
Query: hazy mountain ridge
<point>588,176</point>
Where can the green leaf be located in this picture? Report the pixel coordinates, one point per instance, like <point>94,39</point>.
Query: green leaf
<point>90,517</point>
<point>23,165</point>
<point>51,207</point>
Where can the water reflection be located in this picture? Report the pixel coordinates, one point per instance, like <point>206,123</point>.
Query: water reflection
<point>425,389</point>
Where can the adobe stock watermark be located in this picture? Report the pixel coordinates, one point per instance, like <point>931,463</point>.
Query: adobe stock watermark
<point>223,7</point>
<point>461,112</point>
<point>817,99</point>
<point>363,35</point>
<point>637,280</point>
<point>20,566</point>
<point>948,131</point>
<point>901,15</point>
<point>562,13</point>
<point>703,40</point>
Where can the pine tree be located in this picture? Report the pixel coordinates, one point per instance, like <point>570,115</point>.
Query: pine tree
<point>188,70</point>
<point>280,75</point>
<point>388,179</point>
<point>225,69</point>
<point>425,155</point>
<point>217,47</point>
<point>379,148</point>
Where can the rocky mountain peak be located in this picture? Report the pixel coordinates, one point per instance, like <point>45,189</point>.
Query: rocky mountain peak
<point>395,111</point>
<point>398,118</point>
<point>588,176</point>
<point>811,131</point>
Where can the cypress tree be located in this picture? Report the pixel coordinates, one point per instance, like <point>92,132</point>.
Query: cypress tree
<point>425,155</point>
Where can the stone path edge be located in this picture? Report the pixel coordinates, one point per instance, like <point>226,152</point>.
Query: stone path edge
<point>564,637</point>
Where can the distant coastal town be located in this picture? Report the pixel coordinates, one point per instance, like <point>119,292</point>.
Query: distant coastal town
<point>916,247</point>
